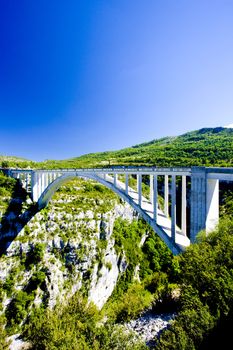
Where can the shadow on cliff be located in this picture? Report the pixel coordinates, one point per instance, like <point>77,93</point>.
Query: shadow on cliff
<point>15,216</point>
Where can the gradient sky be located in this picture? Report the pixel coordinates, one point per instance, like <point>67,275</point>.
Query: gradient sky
<point>85,76</point>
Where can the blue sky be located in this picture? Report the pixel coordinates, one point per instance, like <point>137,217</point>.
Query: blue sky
<point>85,76</point>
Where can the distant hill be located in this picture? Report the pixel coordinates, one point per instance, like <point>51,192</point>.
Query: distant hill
<point>12,158</point>
<point>207,146</point>
<point>15,162</point>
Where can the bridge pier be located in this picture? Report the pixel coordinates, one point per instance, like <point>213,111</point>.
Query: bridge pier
<point>166,195</point>
<point>155,197</point>
<point>46,180</point>
<point>151,188</point>
<point>126,183</point>
<point>115,179</point>
<point>42,182</point>
<point>173,209</point>
<point>184,205</point>
<point>139,189</point>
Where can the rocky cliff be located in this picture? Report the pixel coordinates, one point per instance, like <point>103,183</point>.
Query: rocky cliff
<point>70,243</point>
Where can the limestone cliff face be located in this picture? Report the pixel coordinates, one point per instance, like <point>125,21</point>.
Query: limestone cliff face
<point>73,249</point>
<point>104,278</point>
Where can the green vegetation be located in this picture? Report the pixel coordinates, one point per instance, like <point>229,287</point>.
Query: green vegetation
<point>206,280</point>
<point>17,310</point>
<point>35,255</point>
<point>7,189</point>
<point>129,304</point>
<point>3,343</point>
<point>76,326</point>
<point>7,185</point>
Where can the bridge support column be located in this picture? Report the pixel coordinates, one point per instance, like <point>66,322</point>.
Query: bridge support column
<point>155,196</point>
<point>126,183</point>
<point>34,186</point>
<point>42,182</point>
<point>27,182</point>
<point>139,188</point>
<point>30,182</point>
<point>212,204</point>
<point>166,195</point>
<point>183,206</point>
<point>198,202</point>
<point>50,177</point>
<point>46,180</point>
<point>115,179</point>
<point>173,209</point>
<point>151,188</point>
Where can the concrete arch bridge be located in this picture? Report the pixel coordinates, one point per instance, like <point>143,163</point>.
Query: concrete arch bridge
<point>203,199</point>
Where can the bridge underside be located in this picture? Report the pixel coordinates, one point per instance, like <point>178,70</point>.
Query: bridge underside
<point>162,226</point>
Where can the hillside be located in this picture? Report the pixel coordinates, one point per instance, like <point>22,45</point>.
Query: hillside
<point>208,146</point>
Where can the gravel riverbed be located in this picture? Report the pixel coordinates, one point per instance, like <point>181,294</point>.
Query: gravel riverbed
<point>149,325</point>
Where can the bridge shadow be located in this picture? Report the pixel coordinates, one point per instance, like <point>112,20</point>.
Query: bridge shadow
<point>16,216</point>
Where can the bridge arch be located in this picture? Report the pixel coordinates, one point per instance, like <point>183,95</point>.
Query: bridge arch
<point>59,181</point>
<point>204,195</point>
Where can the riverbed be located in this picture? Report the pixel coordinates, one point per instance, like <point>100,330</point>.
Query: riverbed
<point>149,325</point>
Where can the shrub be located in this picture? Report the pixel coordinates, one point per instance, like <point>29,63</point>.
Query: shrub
<point>35,255</point>
<point>130,304</point>
<point>17,309</point>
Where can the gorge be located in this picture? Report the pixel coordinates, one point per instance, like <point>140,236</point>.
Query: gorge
<point>88,246</point>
